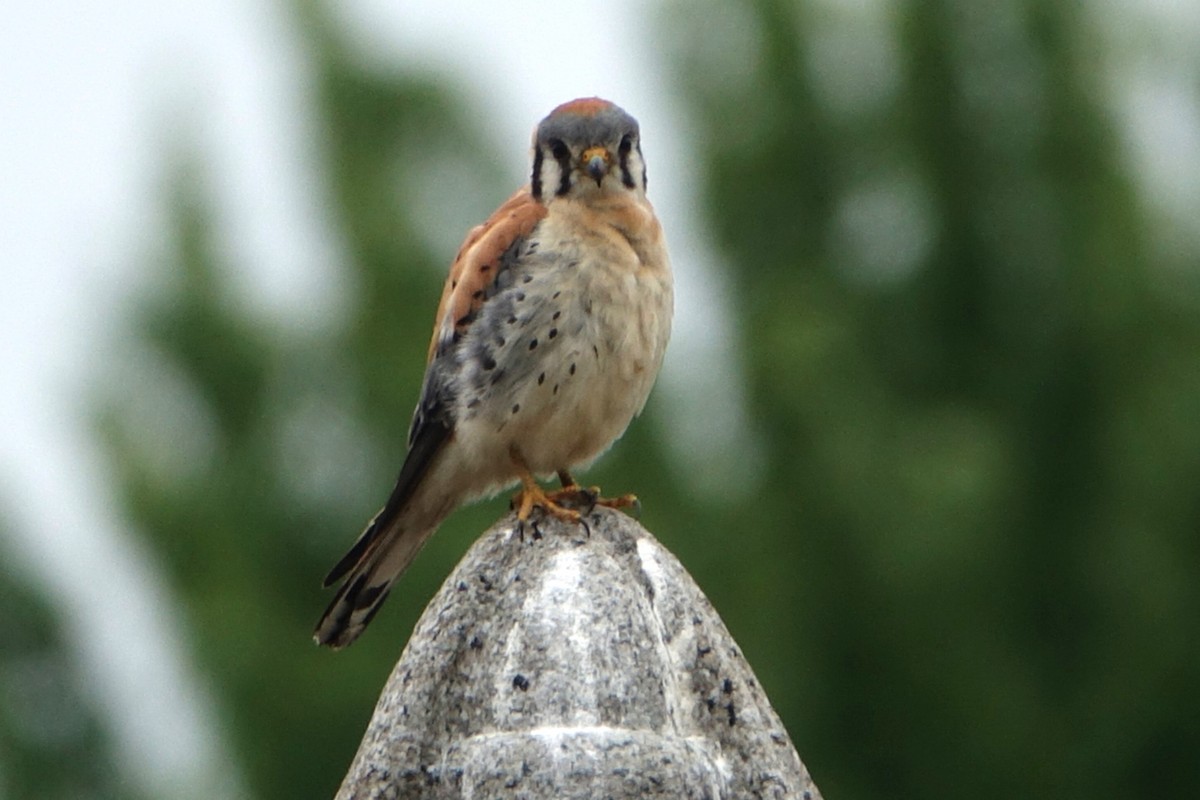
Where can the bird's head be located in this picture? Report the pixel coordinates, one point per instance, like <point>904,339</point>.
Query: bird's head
<point>586,148</point>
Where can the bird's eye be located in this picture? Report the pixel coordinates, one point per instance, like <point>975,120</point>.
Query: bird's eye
<point>626,143</point>
<point>559,150</point>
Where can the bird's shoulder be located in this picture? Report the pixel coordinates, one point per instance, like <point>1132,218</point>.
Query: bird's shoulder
<point>478,263</point>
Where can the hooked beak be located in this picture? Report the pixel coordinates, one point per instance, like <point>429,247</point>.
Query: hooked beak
<point>596,161</point>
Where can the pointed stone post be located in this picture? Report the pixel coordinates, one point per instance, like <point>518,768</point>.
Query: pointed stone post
<point>570,663</point>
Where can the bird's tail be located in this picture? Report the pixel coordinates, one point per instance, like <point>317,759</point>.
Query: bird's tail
<point>370,568</point>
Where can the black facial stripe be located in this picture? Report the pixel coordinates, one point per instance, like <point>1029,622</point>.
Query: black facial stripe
<point>645,182</point>
<point>564,167</point>
<point>535,183</point>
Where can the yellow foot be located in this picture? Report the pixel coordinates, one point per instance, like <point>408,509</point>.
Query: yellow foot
<point>629,501</point>
<point>533,496</point>
<point>572,494</point>
<point>569,503</point>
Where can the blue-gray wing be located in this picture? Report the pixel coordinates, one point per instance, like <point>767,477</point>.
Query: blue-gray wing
<point>475,276</point>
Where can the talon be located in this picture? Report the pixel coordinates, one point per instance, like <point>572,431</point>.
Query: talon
<point>533,496</point>
<point>634,506</point>
<point>568,503</point>
<point>529,498</point>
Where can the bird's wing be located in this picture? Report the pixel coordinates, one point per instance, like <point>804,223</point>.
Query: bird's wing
<point>472,278</point>
<point>477,266</point>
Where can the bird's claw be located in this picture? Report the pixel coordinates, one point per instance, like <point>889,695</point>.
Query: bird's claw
<point>569,503</point>
<point>627,501</point>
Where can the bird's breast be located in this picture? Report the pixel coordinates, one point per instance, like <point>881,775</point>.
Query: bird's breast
<point>563,358</point>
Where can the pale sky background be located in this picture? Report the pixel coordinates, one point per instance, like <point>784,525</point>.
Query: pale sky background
<point>90,96</point>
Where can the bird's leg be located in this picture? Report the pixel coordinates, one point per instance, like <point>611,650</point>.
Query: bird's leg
<point>532,495</point>
<point>572,491</point>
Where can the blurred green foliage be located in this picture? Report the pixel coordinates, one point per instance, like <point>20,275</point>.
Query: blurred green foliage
<point>970,567</point>
<point>981,415</point>
<point>52,744</point>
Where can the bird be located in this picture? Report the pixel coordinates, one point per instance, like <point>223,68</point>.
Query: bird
<point>548,338</point>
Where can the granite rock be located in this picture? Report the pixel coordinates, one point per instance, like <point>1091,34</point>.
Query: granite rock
<point>571,661</point>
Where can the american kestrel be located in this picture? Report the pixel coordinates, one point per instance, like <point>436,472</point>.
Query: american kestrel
<point>549,335</point>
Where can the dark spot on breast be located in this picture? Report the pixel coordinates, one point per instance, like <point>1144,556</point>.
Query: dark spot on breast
<point>572,369</point>
<point>552,334</point>
<point>727,686</point>
<point>477,294</point>
<point>526,279</point>
<point>453,284</point>
<point>513,321</point>
<point>533,344</point>
<point>489,363</point>
<point>520,682</point>
<point>519,297</point>
<point>555,295</point>
<point>557,314</point>
<point>556,388</point>
<point>485,267</point>
<point>474,403</point>
<point>516,407</point>
<point>596,350</point>
<point>541,379</point>
<point>497,376</point>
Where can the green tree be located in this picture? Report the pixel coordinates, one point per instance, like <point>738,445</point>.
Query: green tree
<point>288,436</point>
<point>982,414</point>
<point>965,571</point>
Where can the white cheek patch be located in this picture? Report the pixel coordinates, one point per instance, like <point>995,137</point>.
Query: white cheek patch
<point>549,182</point>
<point>553,177</point>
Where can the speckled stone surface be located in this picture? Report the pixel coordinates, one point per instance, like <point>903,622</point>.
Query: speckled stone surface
<point>558,664</point>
